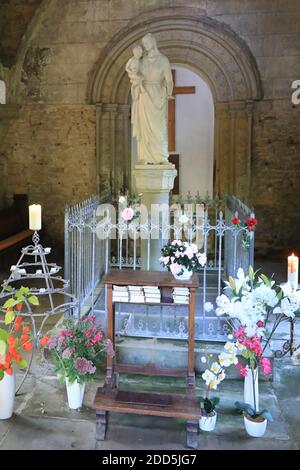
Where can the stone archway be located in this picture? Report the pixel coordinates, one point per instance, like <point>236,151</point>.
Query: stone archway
<point>213,51</point>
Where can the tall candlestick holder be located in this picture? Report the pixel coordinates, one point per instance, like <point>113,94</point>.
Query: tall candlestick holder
<point>34,271</point>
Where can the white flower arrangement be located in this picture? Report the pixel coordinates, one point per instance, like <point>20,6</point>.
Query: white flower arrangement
<point>215,374</point>
<point>255,306</point>
<point>177,255</point>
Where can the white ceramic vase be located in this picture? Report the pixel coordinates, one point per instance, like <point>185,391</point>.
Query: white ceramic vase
<point>208,423</point>
<point>255,428</point>
<point>248,388</point>
<point>7,395</point>
<point>185,276</point>
<point>75,393</point>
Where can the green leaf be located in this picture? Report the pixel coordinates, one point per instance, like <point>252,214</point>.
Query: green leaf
<point>33,300</point>
<point>20,297</point>
<point>245,353</point>
<point>23,364</point>
<point>3,334</point>
<point>3,346</point>
<point>215,400</point>
<point>265,279</point>
<point>9,317</point>
<point>1,375</point>
<point>266,414</point>
<point>232,283</point>
<point>10,303</point>
<point>244,408</point>
<point>24,290</point>
<point>251,273</point>
<point>8,288</point>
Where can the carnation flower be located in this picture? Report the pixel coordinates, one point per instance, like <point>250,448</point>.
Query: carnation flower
<point>84,366</point>
<point>67,353</point>
<point>52,343</point>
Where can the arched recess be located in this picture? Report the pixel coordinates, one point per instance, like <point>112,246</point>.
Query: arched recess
<point>214,52</point>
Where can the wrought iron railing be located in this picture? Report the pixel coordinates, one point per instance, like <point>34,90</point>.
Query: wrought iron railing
<point>94,240</point>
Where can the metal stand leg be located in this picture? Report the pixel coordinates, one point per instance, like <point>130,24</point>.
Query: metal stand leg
<point>101,423</point>
<point>192,434</point>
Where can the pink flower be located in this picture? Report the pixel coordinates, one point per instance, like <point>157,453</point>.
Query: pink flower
<point>202,258</point>
<point>240,332</point>
<point>189,252</point>
<point>98,337</point>
<point>266,366</point>
<point>260,324</point>
<point>88,334</point>
<point>127,214</point>
<point>175,268</point>
<point>242,369</point>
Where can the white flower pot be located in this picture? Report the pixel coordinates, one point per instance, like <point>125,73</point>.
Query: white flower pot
<point>7,395</point>
<point>208,423</point>
<point>255,428</point>
<point>75,393</point>
<point>185,276</point>
<point>248,388</point>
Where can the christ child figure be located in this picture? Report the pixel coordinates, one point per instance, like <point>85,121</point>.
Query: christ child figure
<point>134,73</point>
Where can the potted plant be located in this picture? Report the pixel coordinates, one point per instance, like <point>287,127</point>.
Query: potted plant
<point>15,340</point>
<point>76,349</point>
<point>255,306</point>
<point>255,421</point>
<point>213,376</point>
<point>182,259</point>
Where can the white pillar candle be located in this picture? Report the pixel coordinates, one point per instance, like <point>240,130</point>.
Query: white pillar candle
<point>293,269</point>
<point>35,217</point>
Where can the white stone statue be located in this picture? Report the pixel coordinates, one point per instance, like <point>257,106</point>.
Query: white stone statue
<point>151,86</point>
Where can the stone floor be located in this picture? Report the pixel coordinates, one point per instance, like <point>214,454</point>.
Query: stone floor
<point>42,419</point>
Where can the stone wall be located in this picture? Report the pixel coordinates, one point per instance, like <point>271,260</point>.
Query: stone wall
<point>49,151</point>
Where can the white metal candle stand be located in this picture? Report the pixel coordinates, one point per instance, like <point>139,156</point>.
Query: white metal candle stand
<point>39,268</point>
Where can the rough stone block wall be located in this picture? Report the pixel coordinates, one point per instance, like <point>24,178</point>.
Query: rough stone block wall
<point>51,155</point>
<point>49,150</point>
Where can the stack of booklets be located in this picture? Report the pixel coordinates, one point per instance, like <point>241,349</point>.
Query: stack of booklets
<point>152,294</point>
<point>180,295</point>
<point>120,294</point>
<point>136,294</point>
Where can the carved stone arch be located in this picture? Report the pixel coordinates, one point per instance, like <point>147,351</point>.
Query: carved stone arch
<point>212,50</point>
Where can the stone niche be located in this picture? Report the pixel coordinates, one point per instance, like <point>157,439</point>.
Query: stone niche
<point>210,49</point>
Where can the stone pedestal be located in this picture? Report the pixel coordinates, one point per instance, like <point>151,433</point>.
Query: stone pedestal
<point>155,182</point>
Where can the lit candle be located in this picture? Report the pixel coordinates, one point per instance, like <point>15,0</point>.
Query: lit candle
<point>35,217</point>
<point>293,268</point>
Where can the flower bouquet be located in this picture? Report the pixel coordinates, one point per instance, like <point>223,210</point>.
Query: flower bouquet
<point>249,224</point>
<point>77,348</point>
<point>15,340</point>
<point>182,259</point>
<point>255,306</point>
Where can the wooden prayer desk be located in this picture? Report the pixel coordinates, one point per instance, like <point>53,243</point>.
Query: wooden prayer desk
<point>109,398</point>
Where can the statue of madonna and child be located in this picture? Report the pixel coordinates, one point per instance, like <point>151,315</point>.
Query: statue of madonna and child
<point>151,80</point>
